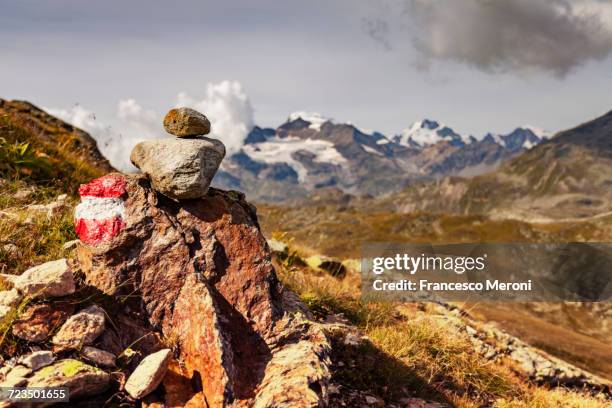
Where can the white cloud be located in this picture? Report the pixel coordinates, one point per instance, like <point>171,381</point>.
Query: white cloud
<point>229,110</point>
<point>136,119</point>
<point>135,124</point>
<point>81,118</point>
<point>225,104</point>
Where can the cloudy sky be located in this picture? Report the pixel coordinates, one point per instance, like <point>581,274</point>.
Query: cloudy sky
<point>115,67</point>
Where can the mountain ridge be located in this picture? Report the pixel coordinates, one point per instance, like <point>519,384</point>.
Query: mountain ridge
<point>309,151</point>
<point>565,177</point>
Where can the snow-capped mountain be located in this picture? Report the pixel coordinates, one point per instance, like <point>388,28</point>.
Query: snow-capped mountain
<point>310,151</point>
<point>314,119</point>
<point>429,132</point>
<point>524,137</point>
<point>287,150</point>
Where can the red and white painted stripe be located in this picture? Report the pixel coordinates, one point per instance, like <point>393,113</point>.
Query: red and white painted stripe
<point>100,215</point>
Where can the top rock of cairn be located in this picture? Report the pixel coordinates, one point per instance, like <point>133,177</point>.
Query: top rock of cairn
<point>186,122</point>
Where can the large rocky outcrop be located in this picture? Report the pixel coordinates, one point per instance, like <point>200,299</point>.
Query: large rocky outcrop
<point>199,273</point>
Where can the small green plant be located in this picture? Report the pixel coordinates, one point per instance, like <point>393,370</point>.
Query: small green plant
<point>19,160</point>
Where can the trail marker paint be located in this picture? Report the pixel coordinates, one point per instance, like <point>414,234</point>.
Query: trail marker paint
<point>99,216</point>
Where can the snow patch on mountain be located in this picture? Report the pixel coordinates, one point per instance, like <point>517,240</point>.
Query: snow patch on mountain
<point>371,150</point>
<point>540,133</point>
<point>525,137</point>
<point>315,119</point>
<point>281,150</point>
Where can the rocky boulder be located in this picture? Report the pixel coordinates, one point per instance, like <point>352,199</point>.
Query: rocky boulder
<point>15,376</point>
<point>332,266</point>
<point>81,379</point>
<point>149,374</point>
<point>200,273</point>
<point>81,329</point>
<point>179,169</point>
<point>37,359</point>
<point>98,356</point>
<point>37,322</point>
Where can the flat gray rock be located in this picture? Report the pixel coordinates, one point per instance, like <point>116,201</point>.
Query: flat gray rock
<point>37,359</point>
<point>148,375</point>
<point>179,168</point>
<point>16,377</point>
<point>81,379</point>
<point>98,356</point>
<point>186,122</point>
<point>51,279</point>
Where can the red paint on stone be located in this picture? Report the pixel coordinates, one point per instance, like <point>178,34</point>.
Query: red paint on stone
<point>109,186</point>
<point>93,231</point>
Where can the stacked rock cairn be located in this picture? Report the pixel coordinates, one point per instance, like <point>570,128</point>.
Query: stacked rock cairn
<point>181,167</point>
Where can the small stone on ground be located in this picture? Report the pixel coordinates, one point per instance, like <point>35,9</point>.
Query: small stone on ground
<point>51,279</point>
<point>37,360</point>
<point>98,356</point>
<point>148,375</point>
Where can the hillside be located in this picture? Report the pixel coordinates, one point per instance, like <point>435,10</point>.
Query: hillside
<point>48,149</point>
<point>340,230</point>
<point>567,177</point>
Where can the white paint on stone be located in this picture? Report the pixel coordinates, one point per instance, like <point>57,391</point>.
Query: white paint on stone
<point>100,208</point>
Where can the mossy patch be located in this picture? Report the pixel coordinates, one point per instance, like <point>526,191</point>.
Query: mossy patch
<point>65,368</point>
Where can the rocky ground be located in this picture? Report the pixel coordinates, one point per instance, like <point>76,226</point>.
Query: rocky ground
<point>184,296</point>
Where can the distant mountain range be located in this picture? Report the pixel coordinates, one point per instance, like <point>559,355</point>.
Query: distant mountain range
<point>429,167</point>
<point>309,152</point>
<point>565,178</point>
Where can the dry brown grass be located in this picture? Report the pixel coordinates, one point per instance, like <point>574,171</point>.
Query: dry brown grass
<point>579,337</point>
<point>411,347</point>
<point>45,155</point>
<point>39,238</point>
<point>557,398</point>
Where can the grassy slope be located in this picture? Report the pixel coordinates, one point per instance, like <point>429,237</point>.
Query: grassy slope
<point>579,335</point>
<point>40,159</point>
<point>410,350</point>
<point>340,230</point>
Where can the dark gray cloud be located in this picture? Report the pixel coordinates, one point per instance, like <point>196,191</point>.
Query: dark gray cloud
<point>515,35</point>
<point>378,30</point>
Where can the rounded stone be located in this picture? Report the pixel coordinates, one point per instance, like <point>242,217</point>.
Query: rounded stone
<point>186,122</point>
<point>179,169</point>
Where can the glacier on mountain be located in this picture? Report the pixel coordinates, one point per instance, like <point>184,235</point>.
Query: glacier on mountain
<point>281,150</point>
